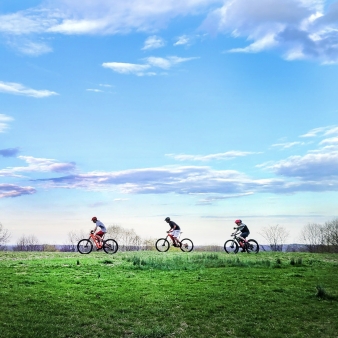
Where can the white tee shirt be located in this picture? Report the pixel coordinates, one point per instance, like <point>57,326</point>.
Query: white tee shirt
<point>101,226</point>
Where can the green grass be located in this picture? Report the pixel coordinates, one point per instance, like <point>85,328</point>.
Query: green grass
<point>174,294</point>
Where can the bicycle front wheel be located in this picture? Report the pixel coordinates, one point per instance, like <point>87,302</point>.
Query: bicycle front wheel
<point>162,245</point>
<point>252,246</point>
<point>187,245</point>
<point>85,246</point>
<point>110,246</point>
<point>231,247</point>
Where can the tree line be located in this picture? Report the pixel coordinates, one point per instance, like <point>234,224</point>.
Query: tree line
<point>315,238</point>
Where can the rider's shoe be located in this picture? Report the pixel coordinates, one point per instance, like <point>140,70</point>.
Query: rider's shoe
<point>99,248</point>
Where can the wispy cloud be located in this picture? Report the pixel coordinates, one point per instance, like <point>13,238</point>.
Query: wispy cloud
<point>299,29</point>
<point>127,68</point>
<point>204,158</point>
<point>153,42</point>
<point>39,165</point>
<point>4,119</point>
<point>19,89</point>
<point>11,190</point>
<point>321,131</point>
<point>147,68</point>
<point>287,145</point>
<point>94,90</point>
<point>313,166</point>
<point>182,40</point>
<point>9,152</point>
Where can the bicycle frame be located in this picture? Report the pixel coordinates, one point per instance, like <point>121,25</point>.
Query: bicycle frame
<point>92,236</point>
<point>172,237</point>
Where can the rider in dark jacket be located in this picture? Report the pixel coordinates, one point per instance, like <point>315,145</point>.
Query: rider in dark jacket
<point>243,229</point>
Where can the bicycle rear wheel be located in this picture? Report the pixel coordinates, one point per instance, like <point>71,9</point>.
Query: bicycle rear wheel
<point>186,245</point>
<point>252,246</point>
<point>231,247</point>
<point>85,246</point>
<point>162,245</point>
<point>110,246</point>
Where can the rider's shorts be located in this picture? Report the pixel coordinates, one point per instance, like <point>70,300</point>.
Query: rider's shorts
<point>176,233</point>
<point>100,233</point>
<point>245,234</point>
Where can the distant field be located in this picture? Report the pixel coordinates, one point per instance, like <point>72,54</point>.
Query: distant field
<point>174,294</point>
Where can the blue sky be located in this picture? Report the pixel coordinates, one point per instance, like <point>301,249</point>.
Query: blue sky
<point>205,111</point>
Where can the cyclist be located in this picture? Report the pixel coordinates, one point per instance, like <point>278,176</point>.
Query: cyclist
<point>175,231</point>
<point>243,229</point>
<point>99,235</point>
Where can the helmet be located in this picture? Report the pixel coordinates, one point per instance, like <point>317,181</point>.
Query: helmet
<point>94,219</point>
<point>238,221</point>
<point>167,219</point>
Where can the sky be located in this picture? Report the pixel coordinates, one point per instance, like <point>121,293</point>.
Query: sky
<point>205,111</point>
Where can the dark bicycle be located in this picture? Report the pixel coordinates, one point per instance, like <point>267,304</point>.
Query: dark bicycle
<point>232,246</point>
<point>163,244</point>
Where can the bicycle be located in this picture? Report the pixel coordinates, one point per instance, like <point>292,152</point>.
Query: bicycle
<point>163,244</point>
<point>85,246</point>
<point>233,245</point>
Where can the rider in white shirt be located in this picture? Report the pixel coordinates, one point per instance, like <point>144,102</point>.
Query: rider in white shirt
<point>99,235</point>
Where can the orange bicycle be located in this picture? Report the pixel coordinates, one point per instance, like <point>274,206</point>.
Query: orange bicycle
<point>163,244</point>
<point>85,246</point>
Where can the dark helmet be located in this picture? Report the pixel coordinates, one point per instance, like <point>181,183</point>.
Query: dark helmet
<point>167,219</point>
<point>238,221</point>
<point>94,219</point>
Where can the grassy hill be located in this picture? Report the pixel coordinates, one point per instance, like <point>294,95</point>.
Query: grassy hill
<point>175,294</point>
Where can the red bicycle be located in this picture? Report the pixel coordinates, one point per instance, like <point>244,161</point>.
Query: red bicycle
<point>85,246</point>
<point>163,244</point>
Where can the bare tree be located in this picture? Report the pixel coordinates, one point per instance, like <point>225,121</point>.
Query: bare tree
<point>312,235</point>
<point>127,239</point>
<point>28,243</point>
<point>276,236</point>
<point>4,237</point>
<point>331,235</point>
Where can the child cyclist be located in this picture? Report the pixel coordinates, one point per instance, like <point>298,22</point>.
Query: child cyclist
<point>243,229</point>
<point>99,235</point>
<point>175,231</point>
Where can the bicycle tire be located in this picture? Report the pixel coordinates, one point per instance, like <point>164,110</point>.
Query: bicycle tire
<point>162,245</point>
<point>186,245</point>
<point>231,246</point>
<point>252,246</point>
<point>85,246</point>
<point>110,246</point>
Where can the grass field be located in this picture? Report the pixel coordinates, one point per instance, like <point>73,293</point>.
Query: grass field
<point>174,294</point>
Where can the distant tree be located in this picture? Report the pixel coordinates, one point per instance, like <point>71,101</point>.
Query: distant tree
<point>28,243</point>
<point>4,237</point>
<point>276,236</point>
<point>312,235</point>
<point>331,235</point>
<point>127,239</point>
<point>49,248</point>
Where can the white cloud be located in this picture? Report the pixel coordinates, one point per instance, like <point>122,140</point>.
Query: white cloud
<point>299,29</point>
<point>94,90</point>
<point>287,145</point>
<point>19,89</point>
<point>39,165</point>
<point>127,68</point>
<point>313,166</point>
<point>204,158</point>
<point>4,119</point>
<point>182,40</point>
<point>11,190</point>
<point>142,69</point>
<point>153,42</point>
<point>328,130</point>
<point>32,48</point>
